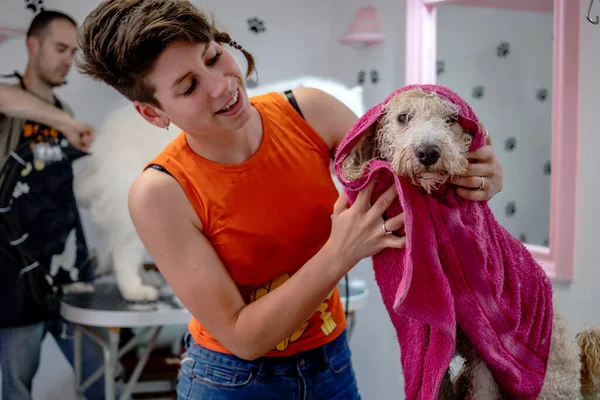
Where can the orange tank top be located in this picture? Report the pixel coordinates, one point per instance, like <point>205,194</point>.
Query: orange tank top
<point>267,216</point>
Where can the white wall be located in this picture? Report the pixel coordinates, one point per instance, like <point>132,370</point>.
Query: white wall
<point>508,106</point>
<point>580,299</point>
<point>280,55</point>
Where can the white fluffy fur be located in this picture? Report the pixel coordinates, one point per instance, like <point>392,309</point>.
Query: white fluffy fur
<point>124,145</point>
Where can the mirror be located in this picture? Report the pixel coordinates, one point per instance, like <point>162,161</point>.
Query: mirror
<point>516,64</point>
<point>500,61</point>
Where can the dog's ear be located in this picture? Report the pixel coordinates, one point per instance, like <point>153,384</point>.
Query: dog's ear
<point>362,153</point>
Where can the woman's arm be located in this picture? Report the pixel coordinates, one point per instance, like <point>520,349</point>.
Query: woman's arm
<point>172,233</point>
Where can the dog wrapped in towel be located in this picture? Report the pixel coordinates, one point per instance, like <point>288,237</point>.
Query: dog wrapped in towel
<point>463,286</point>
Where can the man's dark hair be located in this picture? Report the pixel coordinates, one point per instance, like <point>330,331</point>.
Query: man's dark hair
<point>41,21</point>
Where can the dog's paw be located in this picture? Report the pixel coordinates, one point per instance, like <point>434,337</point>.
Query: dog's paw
<point>79,287</point>
<point>140,293</point>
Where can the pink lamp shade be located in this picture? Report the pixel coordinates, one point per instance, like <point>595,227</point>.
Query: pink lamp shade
<point>7,33</point>
<point>365,29</point>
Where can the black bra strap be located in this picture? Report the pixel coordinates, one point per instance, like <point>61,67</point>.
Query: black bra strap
<point>290,96</point>
<point>159,168</point>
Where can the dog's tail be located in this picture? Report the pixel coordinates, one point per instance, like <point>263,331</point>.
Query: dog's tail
<point>589,344</point>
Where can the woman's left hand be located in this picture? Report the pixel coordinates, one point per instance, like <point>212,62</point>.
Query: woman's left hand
<point>484,174</point>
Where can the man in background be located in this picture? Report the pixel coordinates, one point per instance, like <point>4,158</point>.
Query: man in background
<point>31,115</point>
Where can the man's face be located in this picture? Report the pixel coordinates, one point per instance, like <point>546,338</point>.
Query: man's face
<point>53,51</point>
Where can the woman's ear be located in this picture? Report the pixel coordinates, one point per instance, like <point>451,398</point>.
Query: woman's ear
<point>151,114</point>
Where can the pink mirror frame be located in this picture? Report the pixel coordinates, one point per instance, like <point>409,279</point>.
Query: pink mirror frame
<point>557,259</point>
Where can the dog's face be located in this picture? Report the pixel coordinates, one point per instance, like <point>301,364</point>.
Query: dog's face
<point>419,135</point>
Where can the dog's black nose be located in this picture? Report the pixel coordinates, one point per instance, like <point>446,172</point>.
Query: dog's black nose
<point>428,155</point>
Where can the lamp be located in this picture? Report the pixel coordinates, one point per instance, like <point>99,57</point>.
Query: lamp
<point>365,29</point>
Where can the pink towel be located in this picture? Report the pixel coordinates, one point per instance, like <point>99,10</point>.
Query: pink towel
<point>459,266</point>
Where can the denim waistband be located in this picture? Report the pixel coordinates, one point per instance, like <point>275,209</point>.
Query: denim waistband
<point>314,358</point>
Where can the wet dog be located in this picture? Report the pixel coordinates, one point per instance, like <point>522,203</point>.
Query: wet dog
<point>420,135</point>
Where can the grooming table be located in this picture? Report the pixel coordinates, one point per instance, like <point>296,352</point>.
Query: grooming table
<point>105,309</point>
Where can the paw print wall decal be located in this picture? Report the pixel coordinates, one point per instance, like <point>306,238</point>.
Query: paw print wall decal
<point>35,6</point>
<point>542,94</point>
<point>362,76</point>
<point>548,168</point>
<point>374,76</point>
<point>478,91</point>
<point>510,144</point>
<point>440,67</point>
<point>523,238</point>
<point>511,209</point>
<point>503,49</point>
<point>256,25</point>
<point>547,242</point>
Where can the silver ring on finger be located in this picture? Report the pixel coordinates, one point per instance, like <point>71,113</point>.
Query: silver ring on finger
<point>482,183</point>
<point>385,230</point>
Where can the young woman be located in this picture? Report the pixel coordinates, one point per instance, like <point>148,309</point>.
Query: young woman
<point>237,211</point>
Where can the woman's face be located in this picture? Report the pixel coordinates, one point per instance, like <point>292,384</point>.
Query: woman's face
<point>200,88</point>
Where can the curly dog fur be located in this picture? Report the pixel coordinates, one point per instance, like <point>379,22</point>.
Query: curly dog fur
<point>420,136</point>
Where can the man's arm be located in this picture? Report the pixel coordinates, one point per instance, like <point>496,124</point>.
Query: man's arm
<point>17,103</point>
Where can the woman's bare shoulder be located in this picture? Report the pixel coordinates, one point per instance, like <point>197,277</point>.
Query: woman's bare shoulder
<point>158,195</point>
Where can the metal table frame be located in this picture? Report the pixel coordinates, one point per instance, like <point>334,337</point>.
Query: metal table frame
<point>104,327</point>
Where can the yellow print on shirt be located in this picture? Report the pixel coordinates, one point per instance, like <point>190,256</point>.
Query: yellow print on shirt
<point>328,324</point>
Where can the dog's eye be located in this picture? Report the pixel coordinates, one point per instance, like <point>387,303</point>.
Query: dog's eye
<point>404,118</point>
<point>451,120</point>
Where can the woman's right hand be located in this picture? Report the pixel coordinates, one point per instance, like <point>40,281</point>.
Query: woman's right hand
<point>358,232</point>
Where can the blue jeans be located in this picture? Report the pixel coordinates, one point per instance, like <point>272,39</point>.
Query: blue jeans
<point>324,373</point>
<point>20,349</point>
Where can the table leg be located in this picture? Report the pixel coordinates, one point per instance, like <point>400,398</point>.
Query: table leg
<point>133,379</point>
<point>111,360</point>
<point>77,336</point>
<point>352,318</point>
